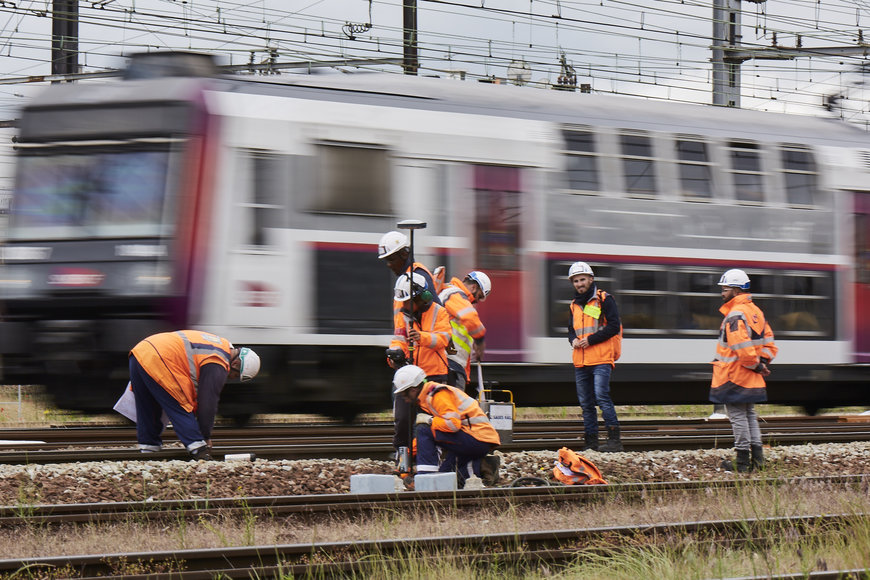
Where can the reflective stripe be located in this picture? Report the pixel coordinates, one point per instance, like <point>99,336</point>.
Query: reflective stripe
<point>189,352</point>
<point>725,358</point>
<point>461,338</point>
<point>465,311</point>
<point>740,345</point>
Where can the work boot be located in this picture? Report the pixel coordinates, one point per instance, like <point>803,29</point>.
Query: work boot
<point>613,443</point>
<point>756,460</point>
<point>489,465</point>
<point>740,465</point>
<point>590,441</point>
<point>201,454</point>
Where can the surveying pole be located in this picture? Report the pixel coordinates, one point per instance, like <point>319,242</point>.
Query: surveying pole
<point>411,225</point>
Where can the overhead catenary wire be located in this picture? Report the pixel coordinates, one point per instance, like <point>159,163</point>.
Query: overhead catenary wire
<point>671,61</point>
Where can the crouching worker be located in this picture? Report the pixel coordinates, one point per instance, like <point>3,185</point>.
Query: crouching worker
<point>183,374</point>
<point>451,421</point>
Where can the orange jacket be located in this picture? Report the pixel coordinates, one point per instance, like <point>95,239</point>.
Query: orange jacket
<point>587,321</point>
<point>452,410</point>
<point>745,340</point>
<point>434,327</point>
<point>173,360</point>
<point>464,321</point>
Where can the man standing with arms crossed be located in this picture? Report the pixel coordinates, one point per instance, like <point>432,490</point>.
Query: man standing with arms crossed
<point>743,353</point>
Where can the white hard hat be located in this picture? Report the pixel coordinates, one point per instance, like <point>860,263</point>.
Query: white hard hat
<point>250,364</point>
<point>391,242</point>
<point>482,281</point>
<point>735,278</point>
<point>402,290</point>
<point>578,268</point>
<point>406,377</point>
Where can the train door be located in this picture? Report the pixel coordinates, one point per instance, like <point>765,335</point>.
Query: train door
<point>497,228</point>
<point>862,277</point>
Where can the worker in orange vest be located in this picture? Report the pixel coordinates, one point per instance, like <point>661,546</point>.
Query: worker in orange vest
<point>183,374</point>
<point>743,354</point>
<point>595,334</point>
<point>450,421</point>
<point>469,332</point>
<point>421,336</point>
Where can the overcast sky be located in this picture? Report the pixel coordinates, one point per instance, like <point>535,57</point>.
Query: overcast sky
<point>656,48</point>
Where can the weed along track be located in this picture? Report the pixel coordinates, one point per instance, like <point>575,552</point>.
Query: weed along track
<point>512,551</point>
<point>277,518</point>
<point>315,506</point>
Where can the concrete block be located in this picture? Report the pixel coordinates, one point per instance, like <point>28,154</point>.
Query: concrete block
<point>435,481</point>
<point>372,483</point>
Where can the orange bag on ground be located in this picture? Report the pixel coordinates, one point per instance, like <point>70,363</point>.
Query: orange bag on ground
<point>574,469</point>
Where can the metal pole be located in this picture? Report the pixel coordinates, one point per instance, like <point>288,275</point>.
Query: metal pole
<point>409,37</point>
<point>411,225</point>
<point>64,37</point>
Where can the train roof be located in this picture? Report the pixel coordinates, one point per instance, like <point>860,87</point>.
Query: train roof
<point>567,108</point>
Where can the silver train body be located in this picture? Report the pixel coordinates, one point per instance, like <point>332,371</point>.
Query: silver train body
<point>252,206</point>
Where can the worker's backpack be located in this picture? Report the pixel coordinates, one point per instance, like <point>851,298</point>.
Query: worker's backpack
<point>574,469</point>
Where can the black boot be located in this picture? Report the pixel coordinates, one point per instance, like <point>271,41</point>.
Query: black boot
<point>613,442</point>
<point>489,473</point>
<point>740,465</point>
<point>590,441</point>
<point>756,460</point>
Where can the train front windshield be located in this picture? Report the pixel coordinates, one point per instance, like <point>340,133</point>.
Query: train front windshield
<point>92,194</point>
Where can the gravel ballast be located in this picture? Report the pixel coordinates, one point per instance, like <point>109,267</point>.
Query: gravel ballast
<point>160,480</point>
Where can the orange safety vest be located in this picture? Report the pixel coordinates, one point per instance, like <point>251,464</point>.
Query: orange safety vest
<point>745,338</point>
<point>431,354</point>
<point>588,320</point>
<point>173,360</point>
<point>452,411</point>
<point>464,321</point>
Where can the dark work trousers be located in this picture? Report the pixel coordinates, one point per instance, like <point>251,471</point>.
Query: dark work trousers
<point>460,452</point>
<point>151,401</point>
<point>403,416</point>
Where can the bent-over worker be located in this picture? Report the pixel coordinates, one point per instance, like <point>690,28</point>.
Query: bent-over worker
<point>183,374</point>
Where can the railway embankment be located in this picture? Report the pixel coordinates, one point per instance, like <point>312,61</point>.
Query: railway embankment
<point>110,481</point>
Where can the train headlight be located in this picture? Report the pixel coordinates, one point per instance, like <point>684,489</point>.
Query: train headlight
<point>15,282</point>
<point>145,279</point>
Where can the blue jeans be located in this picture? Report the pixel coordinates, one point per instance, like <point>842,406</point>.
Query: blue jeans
<point>593,388</point>
<point>151,401</point>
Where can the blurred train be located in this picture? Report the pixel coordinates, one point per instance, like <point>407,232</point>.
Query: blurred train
<point>251,206</point>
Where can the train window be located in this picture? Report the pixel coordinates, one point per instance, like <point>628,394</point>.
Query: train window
<point>352,179</point>
<point>643,299</point>
<point>696,181</point>
<point>268,191</point>
<point>638,165</point>
<point>746,172</point>
<point>662,300</point>
<point>581,161</point>
<point>801,176</point>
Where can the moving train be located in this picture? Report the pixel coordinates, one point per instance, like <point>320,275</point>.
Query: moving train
<point>251,206</point>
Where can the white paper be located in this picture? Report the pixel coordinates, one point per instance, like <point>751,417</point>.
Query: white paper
<point>126,405</point>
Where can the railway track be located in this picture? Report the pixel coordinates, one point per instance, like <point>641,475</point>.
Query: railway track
<point>514,549</point>
<point>346,504</point>
<point>340,441</point>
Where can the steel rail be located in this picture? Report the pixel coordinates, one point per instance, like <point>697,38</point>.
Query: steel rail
<point>317,442</point>
<point>557,547</point>
<point>275,506</point>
